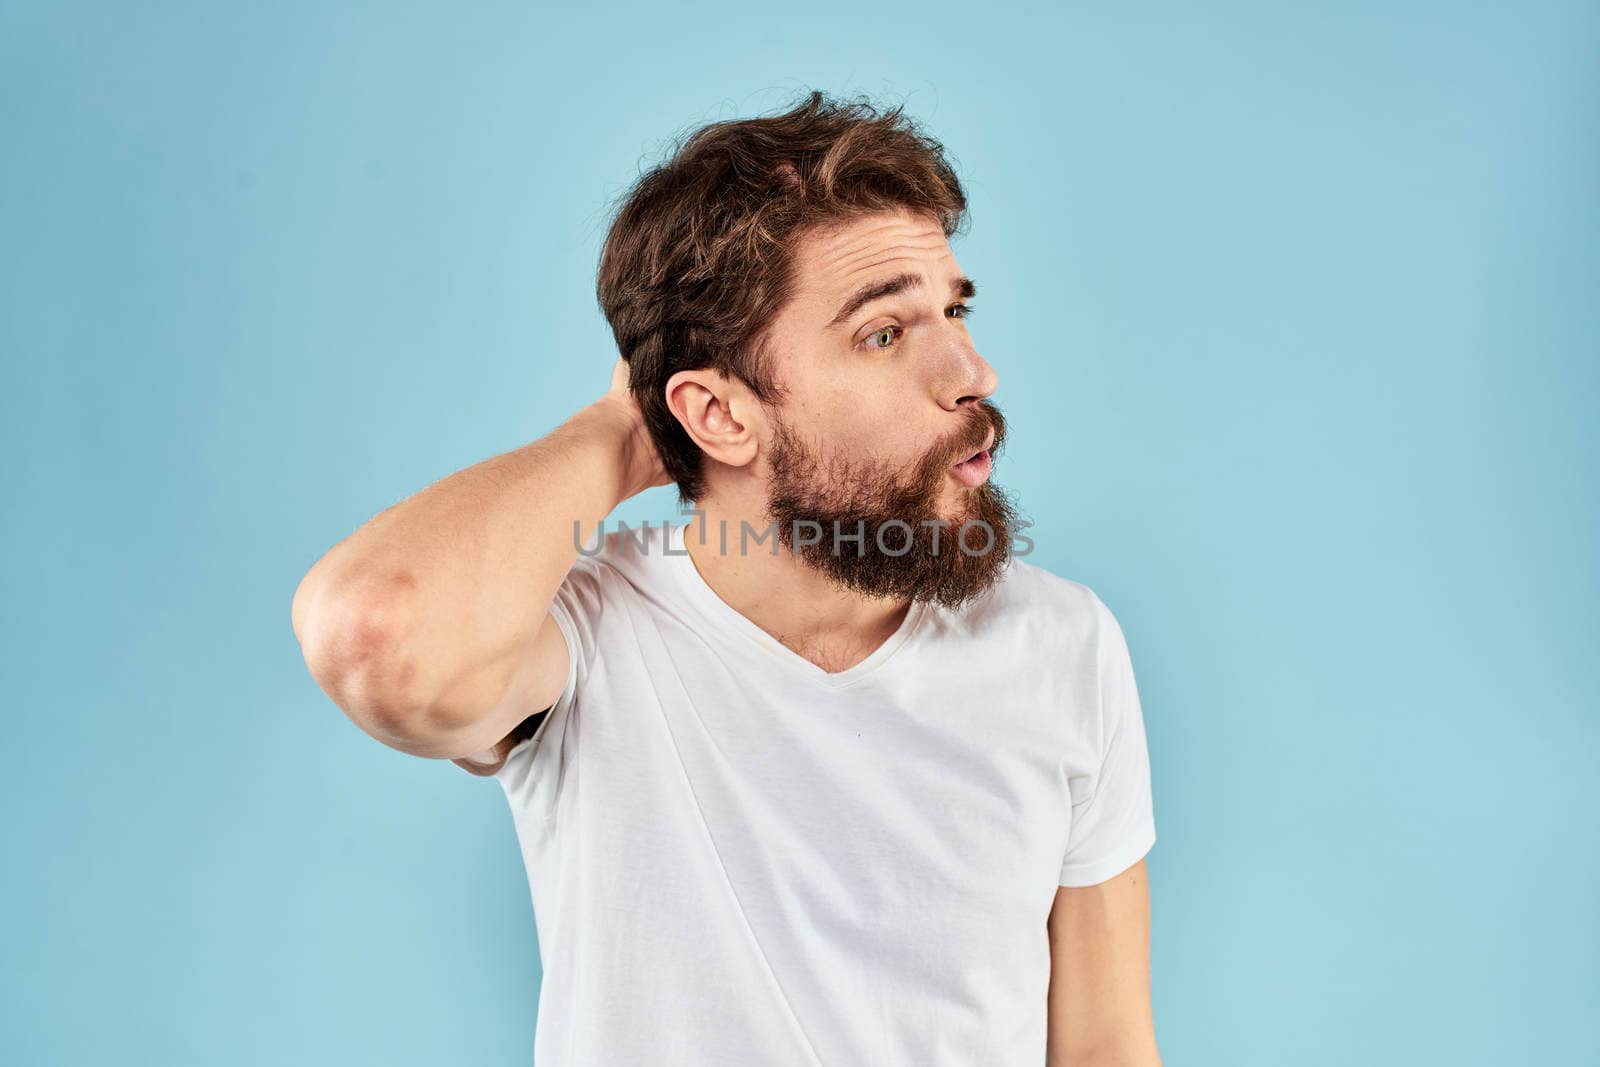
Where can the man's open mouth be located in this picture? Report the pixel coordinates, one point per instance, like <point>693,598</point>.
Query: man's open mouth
<point>987,444</point>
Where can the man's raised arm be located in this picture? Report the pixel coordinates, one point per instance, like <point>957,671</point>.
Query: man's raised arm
<point>430,625</point>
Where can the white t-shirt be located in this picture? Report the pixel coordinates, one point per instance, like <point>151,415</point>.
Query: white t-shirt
<point>738,859</point>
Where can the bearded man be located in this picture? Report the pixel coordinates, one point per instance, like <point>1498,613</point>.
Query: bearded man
<point>827,774</point>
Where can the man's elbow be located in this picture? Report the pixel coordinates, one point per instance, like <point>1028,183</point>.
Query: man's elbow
<point>355,652</point>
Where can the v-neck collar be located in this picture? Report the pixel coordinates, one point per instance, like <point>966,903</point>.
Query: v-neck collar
<point>731,620</point>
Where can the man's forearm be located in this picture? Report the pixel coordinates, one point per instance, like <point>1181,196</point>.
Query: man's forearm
<point>458,575</point>
<point>1137,1048</point>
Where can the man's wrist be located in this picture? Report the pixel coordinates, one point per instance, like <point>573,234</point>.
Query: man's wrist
<point>625,438</point>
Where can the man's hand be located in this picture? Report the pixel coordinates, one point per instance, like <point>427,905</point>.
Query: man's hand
<point>642,463</point>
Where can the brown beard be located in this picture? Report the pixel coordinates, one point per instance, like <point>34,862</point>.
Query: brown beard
<point>868,498</point>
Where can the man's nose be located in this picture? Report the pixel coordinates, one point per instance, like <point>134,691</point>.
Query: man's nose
<point>971,379</point>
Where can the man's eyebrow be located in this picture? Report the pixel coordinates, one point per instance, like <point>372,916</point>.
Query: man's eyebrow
<point>961,286</point>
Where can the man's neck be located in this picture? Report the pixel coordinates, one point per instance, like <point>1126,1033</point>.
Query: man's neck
<point>798,605</point>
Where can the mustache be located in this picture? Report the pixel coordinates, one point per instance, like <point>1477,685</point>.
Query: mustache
<point>970,438</point>
<point>928,473</point>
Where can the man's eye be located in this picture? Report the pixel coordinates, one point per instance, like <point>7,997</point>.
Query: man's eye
<point>892,330</point>
<point>966,311</point>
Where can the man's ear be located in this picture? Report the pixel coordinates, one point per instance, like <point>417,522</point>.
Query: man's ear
<point>719,414</point>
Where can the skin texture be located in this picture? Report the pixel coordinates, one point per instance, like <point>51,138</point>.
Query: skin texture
<point>1100,1011</point>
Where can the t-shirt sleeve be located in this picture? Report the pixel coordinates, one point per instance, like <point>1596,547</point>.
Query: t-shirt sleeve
<point>533,769</point>
<point>576,609</point>
<point>1113,816</point>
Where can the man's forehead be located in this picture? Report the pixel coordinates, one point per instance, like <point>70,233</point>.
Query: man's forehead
<point>833,262</point>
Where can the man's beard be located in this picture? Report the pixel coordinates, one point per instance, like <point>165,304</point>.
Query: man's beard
<point>881,504</point>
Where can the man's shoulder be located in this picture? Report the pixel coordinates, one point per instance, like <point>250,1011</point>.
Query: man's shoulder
<point>1029,591</point>
<point>627,555</point>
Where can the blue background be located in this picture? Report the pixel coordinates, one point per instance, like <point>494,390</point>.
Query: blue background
<point>1294,311</point>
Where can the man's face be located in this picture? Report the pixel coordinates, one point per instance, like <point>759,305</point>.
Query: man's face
<point>886,396</point>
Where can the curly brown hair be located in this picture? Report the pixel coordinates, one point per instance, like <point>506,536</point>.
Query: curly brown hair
<point>699,257</point>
